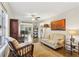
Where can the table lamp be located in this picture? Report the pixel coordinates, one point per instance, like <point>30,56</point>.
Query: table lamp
<point>46,26</point>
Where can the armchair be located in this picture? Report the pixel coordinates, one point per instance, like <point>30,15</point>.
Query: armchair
<point>20,49</point>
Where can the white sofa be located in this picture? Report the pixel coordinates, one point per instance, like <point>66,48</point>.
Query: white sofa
<point>53,40</point>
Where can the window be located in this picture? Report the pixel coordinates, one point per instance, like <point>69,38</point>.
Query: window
<point>2,26</point>
<point>1,31</point>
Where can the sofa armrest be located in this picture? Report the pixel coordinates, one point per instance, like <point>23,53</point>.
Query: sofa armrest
<point>25,50</point>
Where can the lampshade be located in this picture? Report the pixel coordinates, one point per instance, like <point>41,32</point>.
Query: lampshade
<point>46,25</point>
<point>73,32</point>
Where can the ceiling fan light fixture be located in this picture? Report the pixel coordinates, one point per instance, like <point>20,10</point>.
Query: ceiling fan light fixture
<point>33,19</point>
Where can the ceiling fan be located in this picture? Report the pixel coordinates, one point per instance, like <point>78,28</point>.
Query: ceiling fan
<point>34,16</point>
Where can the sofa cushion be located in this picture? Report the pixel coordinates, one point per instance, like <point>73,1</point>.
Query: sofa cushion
<point>14,42</point>
<point>46,36</point>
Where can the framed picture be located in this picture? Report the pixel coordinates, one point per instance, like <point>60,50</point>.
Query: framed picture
<point>58,25</point>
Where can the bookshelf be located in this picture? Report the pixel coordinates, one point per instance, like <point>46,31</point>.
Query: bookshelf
<point>35,30</point>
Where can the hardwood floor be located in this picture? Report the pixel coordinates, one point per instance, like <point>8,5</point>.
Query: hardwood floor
<point>41,50</point>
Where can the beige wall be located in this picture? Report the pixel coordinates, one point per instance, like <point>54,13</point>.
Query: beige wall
<point>72,20</point>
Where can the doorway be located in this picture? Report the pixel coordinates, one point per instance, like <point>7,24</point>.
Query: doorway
<point>14,28</point>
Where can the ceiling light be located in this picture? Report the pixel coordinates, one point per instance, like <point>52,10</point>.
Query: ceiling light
<point>33,19</point>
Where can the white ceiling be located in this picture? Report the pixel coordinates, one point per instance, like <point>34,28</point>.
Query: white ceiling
<point>23,10</point>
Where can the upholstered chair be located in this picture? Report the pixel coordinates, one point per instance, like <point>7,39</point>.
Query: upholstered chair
<point>20,49</point>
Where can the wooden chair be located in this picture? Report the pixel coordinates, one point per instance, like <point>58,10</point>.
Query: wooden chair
<point>20,50</point>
